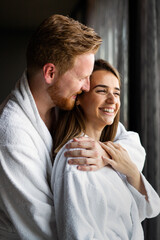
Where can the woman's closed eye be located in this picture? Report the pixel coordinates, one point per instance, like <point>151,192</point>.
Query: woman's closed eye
<point>101,91</point>
<point>117,93</point>
<point>104,91</point>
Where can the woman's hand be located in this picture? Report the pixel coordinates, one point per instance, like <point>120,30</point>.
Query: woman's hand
<point>89,156</point>
<point>121,162</point>
<point>119,159</point>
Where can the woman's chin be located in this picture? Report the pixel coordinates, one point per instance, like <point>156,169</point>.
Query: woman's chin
<point>109,122</point>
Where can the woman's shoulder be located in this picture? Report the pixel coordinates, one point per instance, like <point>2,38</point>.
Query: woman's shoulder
<point>61,166</point>
<point>62,151</point>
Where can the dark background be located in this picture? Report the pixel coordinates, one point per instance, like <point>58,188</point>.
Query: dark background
<point>18,20</point>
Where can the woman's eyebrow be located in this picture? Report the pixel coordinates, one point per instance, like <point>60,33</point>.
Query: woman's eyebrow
<point>105,86</point>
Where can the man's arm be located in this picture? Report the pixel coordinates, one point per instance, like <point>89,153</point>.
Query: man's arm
<point>91,152</point>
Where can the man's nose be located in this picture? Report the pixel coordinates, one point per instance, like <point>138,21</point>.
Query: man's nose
<point>86,85</point>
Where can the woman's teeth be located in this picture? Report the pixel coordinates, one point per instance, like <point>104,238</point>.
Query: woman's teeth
<point>108,110</point>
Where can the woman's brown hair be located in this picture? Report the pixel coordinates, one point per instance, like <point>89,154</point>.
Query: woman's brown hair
<point>72,124</point>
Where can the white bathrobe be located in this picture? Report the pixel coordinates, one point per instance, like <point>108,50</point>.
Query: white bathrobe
<point>26,204</point>
<point>99,205</point>
<point>26,201</point>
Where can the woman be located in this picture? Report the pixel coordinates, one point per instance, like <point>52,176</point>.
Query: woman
<point>109,203</point>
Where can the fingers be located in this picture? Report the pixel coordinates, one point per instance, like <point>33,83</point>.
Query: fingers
<point>85,164</point>
<point>86,153</point>
<point>113,149</point>
<point>89,144</point>
<point>88,168</point>
<point>115,146</point>
<point>82,161</point>
<point>120,160</point>
<point>82,142</point>
<point>109,149</point>
<point>88,164</point>
<point>81,153</point>
<point>109,161</point>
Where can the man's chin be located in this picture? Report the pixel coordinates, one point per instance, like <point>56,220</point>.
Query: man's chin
<point>67,105</point>
<point>67,108</point>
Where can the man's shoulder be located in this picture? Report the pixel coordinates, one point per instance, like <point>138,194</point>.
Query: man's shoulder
<point>13,122</point>
<point>10,111</point>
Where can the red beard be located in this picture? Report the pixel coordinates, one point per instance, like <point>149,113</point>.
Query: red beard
<point>59,101</point>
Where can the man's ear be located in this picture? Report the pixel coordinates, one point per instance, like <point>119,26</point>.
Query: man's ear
<point>49,72</point>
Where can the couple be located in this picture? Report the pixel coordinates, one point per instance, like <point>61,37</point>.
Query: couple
<point>60,59</point>
<point>110,203</point>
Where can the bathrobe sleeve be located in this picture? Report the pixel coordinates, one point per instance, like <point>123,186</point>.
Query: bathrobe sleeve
<point>24,189</point>
<point>131,142</point>
<point>150,208</point>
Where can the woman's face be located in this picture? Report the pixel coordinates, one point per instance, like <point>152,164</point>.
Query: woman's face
<point>102,102</point>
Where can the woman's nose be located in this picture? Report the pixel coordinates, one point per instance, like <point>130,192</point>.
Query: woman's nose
<point>110,97</point>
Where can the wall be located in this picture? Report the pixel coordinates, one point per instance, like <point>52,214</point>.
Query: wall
<point>18,20</point>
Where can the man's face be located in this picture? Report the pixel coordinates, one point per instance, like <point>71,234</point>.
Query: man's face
<point>66,87</point>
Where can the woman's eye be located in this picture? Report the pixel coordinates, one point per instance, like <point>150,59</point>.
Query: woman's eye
<point>101,91</point>
<point>117,93</point>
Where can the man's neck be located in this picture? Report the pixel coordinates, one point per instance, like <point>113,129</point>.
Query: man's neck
<point>49,118</point>
<point>42,99</point>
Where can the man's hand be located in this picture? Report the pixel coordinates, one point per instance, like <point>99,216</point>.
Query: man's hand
<point>88,157</point>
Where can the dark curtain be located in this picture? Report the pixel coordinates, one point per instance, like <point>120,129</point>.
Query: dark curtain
<point>145,81</point>
<point>110,20</point>
<point>131,42</point>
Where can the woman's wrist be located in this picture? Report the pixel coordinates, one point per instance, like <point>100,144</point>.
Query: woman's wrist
<point>137,182</point>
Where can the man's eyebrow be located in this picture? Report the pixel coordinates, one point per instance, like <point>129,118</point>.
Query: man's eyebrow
<point>105,86</point>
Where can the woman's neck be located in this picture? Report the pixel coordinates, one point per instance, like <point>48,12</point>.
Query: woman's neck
<point>93,132</point>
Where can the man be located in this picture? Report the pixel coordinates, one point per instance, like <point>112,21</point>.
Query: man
<point>60,58</point>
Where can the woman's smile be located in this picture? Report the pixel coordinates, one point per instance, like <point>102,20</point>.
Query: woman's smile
<point>109,111</point>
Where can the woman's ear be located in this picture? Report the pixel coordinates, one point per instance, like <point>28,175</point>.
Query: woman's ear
<point>49,72</point>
